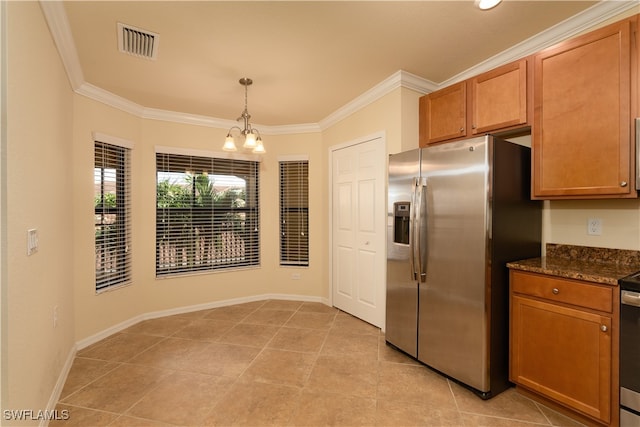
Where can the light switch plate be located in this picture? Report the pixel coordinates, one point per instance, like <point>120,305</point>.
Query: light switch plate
<point>32,241</point>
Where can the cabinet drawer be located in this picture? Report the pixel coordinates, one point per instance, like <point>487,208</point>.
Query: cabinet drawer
<point>567,291</point>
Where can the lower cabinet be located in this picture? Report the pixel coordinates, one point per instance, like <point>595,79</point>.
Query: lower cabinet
<point>562,341</point>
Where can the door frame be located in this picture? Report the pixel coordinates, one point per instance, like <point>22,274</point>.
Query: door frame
<point>377,135</point>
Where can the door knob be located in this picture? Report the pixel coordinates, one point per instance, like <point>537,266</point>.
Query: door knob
<point>604,328</point>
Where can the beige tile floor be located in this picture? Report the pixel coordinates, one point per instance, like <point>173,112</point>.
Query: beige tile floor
<point>271,362</point>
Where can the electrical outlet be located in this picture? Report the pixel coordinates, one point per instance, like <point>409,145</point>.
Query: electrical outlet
<point>594,226</point>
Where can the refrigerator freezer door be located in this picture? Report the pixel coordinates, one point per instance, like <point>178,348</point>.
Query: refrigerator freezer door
<point>402,289</point>
<point>453,319</point>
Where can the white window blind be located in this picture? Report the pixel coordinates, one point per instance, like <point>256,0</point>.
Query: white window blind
<point>112,216</point>
<point>207,213</point>
<point>294,213</point>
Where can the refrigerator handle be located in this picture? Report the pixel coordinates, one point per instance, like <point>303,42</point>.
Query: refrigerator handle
<point>412,231</point>
<point>421,273</point>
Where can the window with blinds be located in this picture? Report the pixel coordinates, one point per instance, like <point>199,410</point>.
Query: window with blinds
<point>207,214</point>
<point>112,216</point>
<point>294,213</point>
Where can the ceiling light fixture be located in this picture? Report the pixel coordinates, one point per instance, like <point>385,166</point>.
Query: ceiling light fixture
<point>252,139</point>
<point>487,4</point>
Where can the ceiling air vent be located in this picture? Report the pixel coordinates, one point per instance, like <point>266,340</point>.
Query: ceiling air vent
<point>137,42</point>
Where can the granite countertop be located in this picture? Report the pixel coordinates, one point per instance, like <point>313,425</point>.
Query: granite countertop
<point>600,265</point>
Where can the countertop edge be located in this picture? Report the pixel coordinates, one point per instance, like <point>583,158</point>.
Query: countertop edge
<point>567,274</point>
<point>585,263</point>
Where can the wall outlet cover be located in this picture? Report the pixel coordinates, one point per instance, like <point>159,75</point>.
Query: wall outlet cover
<point>594,226</point>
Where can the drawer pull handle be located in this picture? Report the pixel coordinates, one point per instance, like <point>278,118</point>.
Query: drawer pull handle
<point>555,291</point>
<point>604,328</point>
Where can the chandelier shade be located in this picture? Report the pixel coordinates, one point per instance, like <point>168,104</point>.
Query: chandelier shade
<point>252,138</point>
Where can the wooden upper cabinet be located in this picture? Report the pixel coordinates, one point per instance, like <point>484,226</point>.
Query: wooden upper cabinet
<point>499,98</point>
<point>582,124</point>
<point>443,114</point>
<point>491,102</point>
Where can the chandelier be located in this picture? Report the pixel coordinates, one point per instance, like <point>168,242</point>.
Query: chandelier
<point>252,139</point>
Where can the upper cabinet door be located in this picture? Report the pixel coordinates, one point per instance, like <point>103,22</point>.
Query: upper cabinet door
<point>499,98</point>
<point>443,114</point>
<point>582,117</point>
<point>495,101</point>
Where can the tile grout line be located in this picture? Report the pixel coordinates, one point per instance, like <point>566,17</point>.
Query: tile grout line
<point>319,352</point>
<point>239,376</point>
<point>296,407</point>
<point>265,347</point>
<point>266,343</point>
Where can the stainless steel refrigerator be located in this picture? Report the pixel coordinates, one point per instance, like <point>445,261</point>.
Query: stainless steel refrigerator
<point>457,213</point>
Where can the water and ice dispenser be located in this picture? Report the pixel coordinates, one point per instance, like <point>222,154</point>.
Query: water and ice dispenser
<point>401,222</point>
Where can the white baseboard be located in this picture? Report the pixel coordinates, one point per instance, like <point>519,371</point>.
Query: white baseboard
<point>187,309</point>
<point>57,389</point>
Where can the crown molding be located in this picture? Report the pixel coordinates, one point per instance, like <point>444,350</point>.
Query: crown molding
<point>185,118</point>
<point>289,129</point>
<point>417,83</point>
<point>193,119</point>
<point>56,18</point>
<point>123,104</point>
<point>398,79</point>
<point>564,30</point>
<point>105,97</point>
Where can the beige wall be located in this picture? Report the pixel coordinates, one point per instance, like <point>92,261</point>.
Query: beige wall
<point>96,313</point>
<point>146,294</point>
<point>39,195</point>
<point>566,222</point>
<point>396,114</point>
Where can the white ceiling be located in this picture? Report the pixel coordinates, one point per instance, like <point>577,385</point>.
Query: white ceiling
<point>307,59</point>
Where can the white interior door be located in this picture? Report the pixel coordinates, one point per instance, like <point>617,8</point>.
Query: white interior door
<point>358,175</point>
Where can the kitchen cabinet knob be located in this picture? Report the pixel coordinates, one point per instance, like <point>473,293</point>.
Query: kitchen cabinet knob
<point>555,291</point>
<point>461,130</point>
<point>623,184</point>
<point>604,328</point>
